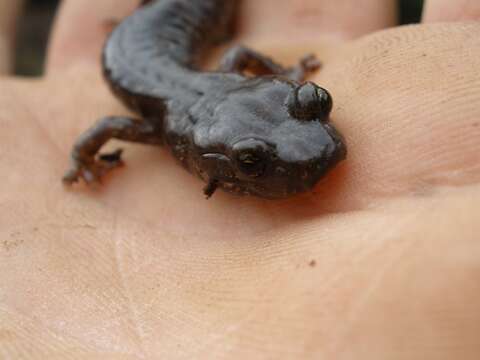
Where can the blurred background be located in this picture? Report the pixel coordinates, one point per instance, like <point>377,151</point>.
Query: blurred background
<point>38,16</point>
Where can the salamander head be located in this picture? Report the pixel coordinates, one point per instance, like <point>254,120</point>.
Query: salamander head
<point>269,138</point>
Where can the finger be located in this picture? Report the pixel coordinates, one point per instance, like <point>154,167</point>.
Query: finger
<point>290,21</point>
<point>451,10</point>
<point>9,13</point>
<point>407,102</point>
<point>81,28</point>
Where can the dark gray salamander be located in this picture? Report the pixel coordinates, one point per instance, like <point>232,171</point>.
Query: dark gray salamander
<point>267,136</point>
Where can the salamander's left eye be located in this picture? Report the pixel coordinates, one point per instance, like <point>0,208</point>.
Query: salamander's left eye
<point>310,102</point>
<point>251,163</point>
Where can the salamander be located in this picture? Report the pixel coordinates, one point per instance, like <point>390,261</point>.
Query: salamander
<point>251,127</point>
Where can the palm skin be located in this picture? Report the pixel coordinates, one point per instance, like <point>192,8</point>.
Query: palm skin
<point>381,262</point>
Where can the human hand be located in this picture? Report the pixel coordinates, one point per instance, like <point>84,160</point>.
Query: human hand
<point>381,262</point>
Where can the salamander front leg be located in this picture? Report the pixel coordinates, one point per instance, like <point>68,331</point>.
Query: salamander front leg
<point>244,60</point>
<point>210,188</point>
<point>86,164</point>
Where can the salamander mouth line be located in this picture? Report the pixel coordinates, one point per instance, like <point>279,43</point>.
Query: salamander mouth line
<point>216,156</point>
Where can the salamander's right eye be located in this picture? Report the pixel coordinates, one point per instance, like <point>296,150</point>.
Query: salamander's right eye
<point>250,157</point>
<point>251,163</point>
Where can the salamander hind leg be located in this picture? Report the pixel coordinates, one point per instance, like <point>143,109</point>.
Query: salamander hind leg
<point>243,60</point>
<point>86,165</point>
<point>307,65</point>
<point>144,2</point>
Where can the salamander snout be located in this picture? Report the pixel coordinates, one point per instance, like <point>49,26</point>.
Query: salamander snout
<point>272,139</point>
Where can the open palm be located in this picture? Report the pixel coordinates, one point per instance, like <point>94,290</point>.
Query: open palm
<point>382,261</point>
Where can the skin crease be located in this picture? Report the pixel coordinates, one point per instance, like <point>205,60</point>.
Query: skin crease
<point>381,262</point>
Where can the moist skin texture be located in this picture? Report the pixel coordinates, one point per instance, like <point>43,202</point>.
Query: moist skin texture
<point>268,135</point>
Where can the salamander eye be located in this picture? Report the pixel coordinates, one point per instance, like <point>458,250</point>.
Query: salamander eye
<point>251,163</point>
<point>251,156</point>
<point>310,102</point>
